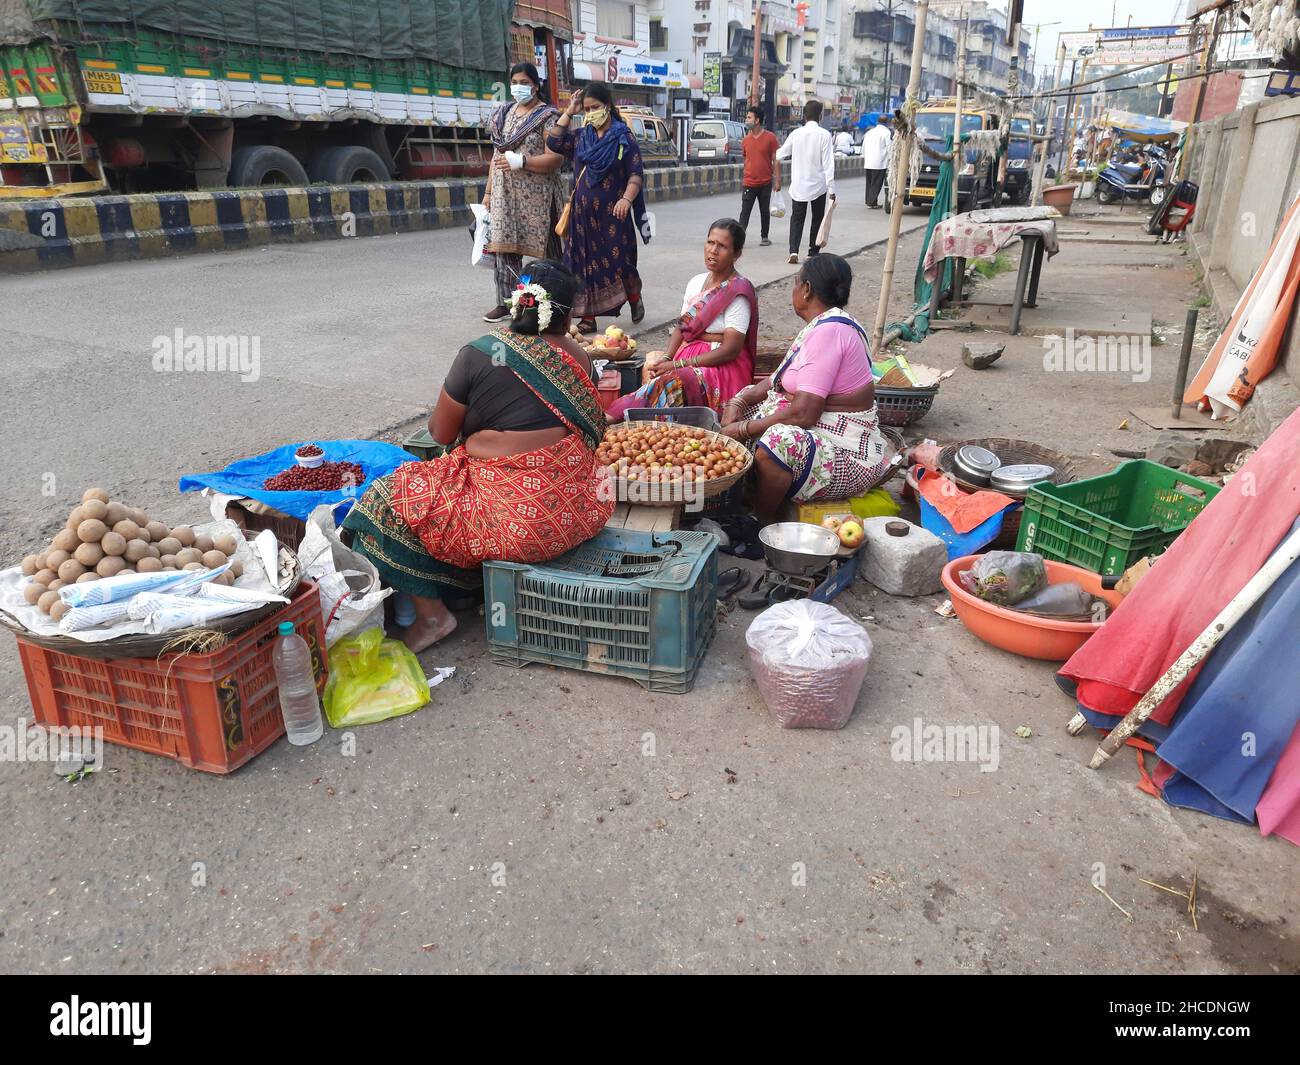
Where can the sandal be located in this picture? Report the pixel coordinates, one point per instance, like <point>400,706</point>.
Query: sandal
<point>587,326</point>
<point>731,581</point>
<point>638,310</point>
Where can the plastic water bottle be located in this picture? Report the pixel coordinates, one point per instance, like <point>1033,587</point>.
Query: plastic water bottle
<point>299,704</point>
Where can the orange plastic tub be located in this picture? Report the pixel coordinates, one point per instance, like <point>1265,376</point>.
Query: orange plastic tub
<point>1025,634</point>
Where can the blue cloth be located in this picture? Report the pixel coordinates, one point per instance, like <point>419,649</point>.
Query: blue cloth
<point>1241,710</point>
<point>246,477</point>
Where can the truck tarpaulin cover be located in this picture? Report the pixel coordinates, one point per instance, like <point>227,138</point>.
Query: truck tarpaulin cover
<point>458,33</point>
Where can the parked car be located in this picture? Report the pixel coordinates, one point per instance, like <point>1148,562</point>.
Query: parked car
<point>714,139</point>
<point>653,134</point>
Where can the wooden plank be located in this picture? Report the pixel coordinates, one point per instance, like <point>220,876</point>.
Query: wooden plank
<point>618,519</point>
<point>652,519</point>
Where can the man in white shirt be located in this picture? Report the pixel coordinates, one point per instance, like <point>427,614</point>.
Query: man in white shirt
<point>875,158</point>
<point>812,175</point>
<point>844,142</point>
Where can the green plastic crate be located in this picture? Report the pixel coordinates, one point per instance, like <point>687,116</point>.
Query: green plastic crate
<point>1105,524</point>
<point>632,604</point>
<point>423,446</point>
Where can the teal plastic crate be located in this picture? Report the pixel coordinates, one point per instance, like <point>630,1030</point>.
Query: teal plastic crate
<point>1107,523</point>
<point>632,604</point>
<point>423,446</point>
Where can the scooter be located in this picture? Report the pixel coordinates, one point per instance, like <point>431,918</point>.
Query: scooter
<point>1134,180</point>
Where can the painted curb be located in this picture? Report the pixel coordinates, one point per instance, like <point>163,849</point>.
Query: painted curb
<point>84,231</point>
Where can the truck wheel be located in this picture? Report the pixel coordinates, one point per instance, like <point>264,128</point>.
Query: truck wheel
<point>347,164</point>
<point>264,164</point>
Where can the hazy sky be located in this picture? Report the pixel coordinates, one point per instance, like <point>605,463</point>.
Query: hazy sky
<point>1079,14</point>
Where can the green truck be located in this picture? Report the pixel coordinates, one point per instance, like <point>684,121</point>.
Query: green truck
<point>145,95</point>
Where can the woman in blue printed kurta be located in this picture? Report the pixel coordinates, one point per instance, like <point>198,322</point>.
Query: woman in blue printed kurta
<point>608,207</point>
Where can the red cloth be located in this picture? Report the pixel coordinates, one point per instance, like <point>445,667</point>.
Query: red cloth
<point>962,510</point>
<point>1191,582</point>
<point>760,150</point>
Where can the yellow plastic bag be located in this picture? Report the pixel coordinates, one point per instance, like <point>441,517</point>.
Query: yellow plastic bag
<point>372,679</point>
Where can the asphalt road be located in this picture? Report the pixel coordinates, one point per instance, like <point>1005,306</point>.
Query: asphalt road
<point>354,336</point>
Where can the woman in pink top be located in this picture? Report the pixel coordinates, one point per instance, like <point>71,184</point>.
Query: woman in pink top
<point>813,423</point>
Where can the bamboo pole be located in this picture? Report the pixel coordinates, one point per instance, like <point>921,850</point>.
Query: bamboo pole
<point>901,162</point>
<point>1200,648</point>
<point>754,97</point>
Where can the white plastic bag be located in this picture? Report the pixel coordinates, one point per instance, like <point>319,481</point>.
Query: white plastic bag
<point>809,661</point>
<point>778,204</point>
<point>482,236</point>
<point>351,597</point>
<point>824,234</point>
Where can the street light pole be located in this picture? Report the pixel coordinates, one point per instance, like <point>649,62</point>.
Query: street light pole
<point>889,40</point>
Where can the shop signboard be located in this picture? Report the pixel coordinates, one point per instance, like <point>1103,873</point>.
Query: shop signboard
<point>712,73</point>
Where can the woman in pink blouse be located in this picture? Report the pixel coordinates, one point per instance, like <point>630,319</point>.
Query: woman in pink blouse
<point>813,424</point>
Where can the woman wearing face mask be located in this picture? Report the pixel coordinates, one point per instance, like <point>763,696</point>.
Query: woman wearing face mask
<point>525,192</point>
<point>608,206</point>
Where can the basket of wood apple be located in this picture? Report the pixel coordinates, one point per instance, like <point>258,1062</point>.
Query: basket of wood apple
<point>666,463</point>
<point>102,538</point>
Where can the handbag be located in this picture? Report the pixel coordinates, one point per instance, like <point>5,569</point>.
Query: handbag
<point>562,226</point>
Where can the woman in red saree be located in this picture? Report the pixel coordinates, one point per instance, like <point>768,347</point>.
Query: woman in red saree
<point>521,486</point>
<point>712,349</point>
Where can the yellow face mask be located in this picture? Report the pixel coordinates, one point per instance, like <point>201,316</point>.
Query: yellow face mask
<point>596,118</point>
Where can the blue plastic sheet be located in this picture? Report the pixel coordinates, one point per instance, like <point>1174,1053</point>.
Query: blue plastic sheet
<point>246,477</point>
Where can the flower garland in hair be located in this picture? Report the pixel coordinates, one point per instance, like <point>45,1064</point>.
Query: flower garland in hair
<point>529,294</point>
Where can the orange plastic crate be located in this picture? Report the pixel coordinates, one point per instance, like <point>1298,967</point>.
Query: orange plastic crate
<point>212,712</point>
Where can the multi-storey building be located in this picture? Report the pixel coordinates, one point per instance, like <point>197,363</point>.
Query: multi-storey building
<point>613,41</point>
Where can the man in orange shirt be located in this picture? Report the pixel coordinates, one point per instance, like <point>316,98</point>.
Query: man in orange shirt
<point>762,171</point>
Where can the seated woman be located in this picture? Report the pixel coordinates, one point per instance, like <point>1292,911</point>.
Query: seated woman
<point>813,423</point>
<point>712,348</point>
<point>522,487</point>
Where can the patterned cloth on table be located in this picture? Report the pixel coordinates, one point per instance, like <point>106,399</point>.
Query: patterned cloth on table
<point>429,526</point>
<point>960,237</point>
<point>600,248</point>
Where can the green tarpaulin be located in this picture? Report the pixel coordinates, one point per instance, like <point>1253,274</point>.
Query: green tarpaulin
<point>457,33</point>
<point>939,210</point>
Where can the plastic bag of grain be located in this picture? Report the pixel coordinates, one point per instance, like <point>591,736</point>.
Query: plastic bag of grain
<point>809,661</point>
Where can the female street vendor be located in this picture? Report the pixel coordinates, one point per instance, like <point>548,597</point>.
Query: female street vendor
<point>713,345</point>
<point>813,423</point>
<point>521,487</point>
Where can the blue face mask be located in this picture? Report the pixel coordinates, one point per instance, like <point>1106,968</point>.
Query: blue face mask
<point>522,93</point>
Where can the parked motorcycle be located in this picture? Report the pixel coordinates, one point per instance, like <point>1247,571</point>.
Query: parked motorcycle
<point>1142,178</point>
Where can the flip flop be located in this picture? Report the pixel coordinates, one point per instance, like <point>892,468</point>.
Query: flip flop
<point>730,581</point>
<point>587,326</point>
<point>755,599</point>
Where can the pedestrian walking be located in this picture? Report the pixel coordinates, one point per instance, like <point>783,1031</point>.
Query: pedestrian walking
<point>875,156</point>
<point>608,208</point>
<point>762,172</point>
<point>525,192</point>
<point>812,176</point>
